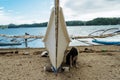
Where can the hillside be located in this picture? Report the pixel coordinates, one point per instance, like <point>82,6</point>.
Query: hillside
<point>96,21</point>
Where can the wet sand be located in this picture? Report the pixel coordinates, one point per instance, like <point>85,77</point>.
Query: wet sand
<point>103,63</point>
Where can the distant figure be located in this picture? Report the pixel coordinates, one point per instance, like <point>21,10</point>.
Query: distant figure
<point>26,44</point>
<point>71,57</point>
<point>27,34</point>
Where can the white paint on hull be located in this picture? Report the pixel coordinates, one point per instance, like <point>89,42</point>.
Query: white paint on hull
<point>56,58</point>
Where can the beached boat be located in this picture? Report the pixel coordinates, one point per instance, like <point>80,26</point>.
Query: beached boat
<point>56,41</point>
<point>106,42</point>
<point>9,44</point>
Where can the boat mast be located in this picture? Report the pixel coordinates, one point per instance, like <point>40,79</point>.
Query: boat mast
<point>56,24</point>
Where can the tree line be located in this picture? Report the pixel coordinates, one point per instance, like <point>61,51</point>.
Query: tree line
<point>96,21</point>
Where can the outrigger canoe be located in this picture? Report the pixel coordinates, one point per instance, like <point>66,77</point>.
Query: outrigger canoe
<point>62,40</point>
<point>106,42</point>
<point>9,44</point>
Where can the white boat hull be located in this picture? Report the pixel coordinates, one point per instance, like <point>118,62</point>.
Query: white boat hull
<point>56,53</point>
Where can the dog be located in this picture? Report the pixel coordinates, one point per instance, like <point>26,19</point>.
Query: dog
<point>71,57</point>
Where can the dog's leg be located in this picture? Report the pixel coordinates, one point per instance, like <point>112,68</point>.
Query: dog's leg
<point>71,61</point>
<point>75,61</point>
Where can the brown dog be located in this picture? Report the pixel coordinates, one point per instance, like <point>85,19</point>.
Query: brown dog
<point>71,57</point>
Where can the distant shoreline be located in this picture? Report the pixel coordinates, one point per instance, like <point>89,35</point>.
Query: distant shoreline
<point>46,26</point>
<point>94,22</point>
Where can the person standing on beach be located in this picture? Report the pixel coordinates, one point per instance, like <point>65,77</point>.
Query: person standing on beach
<point>26,45</point>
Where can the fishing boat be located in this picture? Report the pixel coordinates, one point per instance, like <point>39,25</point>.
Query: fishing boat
<point>56,39</point>
<point>9,44</point>
<point>106,42</point>
<point>117,31</point>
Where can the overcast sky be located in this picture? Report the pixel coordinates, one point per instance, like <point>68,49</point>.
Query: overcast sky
<point>37,11</point>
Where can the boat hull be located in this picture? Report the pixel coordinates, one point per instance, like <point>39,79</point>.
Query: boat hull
<point>56,53</point>
<point>9,44</point>
<point>106,42</point>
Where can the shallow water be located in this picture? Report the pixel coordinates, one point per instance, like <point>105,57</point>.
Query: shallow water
<point>72,31</point>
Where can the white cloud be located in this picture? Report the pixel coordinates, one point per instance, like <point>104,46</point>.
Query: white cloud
<point>99,14</point>
<point>89,9</point>
<point>10,16</point>
<point>7,19</point>
<point>73,10</point>
<point>1,8</point>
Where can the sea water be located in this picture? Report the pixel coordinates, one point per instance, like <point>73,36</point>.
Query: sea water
<point>38,43</point>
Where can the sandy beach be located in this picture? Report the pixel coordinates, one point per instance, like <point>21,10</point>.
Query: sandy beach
<point>102,63</point>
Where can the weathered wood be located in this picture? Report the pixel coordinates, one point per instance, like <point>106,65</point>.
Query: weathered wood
<point>56,24</point>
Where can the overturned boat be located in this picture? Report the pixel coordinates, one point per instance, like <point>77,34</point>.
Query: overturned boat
<point>56,39</point>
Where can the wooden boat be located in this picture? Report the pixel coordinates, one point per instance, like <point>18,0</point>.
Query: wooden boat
<point>56,41</point>
<point>106,42</point>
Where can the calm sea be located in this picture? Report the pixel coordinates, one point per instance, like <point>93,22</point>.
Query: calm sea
<point>72,31</point>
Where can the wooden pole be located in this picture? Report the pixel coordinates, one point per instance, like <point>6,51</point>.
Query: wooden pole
<point>56,24</point>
